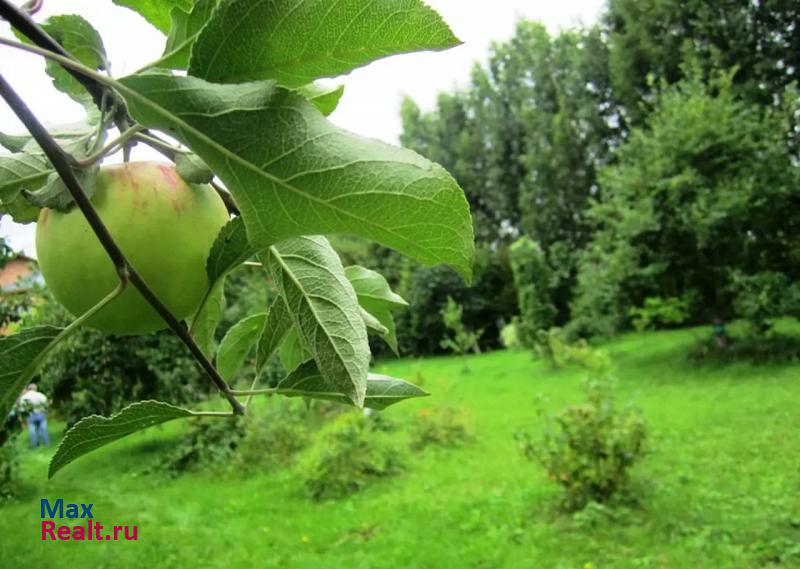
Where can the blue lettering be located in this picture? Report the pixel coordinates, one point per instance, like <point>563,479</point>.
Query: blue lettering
<point>51,511</point>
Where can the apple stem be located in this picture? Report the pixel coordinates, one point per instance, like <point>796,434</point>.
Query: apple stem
<point>62,163</point>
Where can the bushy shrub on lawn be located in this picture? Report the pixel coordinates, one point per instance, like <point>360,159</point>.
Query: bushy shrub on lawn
<point>348,454</point>
<point>589,448</point>
<point>439,426</point>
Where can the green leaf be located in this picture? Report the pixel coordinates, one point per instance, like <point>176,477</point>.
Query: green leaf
<point>373,323</point>
<point>278,324</point>
<point>377,298</point>
<point>205,322</point>
<point>157,12</point>
<point>83,42</point>
<point>237,343</point>
<point>325,99</point>
<point>185,28</point>
<point>230,250</point>
<point>18,353</point>
<point>382,390</point>
<point>323,306</point>
<point>293,351</point>
<point>296,41</point>
<point>55,195</point>
<point>293,173</point>
<point>21,172</point>
<point>14,142</point>
<point>192,169</point>
<point>93,432</point>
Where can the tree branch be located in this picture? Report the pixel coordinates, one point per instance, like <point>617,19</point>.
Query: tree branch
<point>62,164</point>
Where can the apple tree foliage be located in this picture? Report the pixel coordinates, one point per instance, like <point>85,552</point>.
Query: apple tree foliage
<point>236,90</point>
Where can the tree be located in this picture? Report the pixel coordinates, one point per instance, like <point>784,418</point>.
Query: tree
<point>649,39</point>
<point>702,204</point>
<point>245,114</point>
<point>534,281</point>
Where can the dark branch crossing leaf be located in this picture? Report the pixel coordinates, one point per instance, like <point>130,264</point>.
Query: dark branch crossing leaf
<point>54,193</point>
<point>309,276</point>
<point>325,99</point>
<point>186,26</point>
<point>278,324</point>
<point>377,299</point>
<point>17,353</point>
<point>157,12</point>
<point>293,173</point>
<point>298,41</point>
<point>83,42</point>
<point>382,390</point>
<point>91,433</point>
<point>237,344</point>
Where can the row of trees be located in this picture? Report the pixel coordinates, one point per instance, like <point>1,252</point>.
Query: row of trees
<point>650,160</point>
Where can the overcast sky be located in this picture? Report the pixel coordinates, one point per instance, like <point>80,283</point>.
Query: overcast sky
<point>371,102</point>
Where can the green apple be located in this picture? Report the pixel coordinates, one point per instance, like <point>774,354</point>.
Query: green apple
<point>164,226</point>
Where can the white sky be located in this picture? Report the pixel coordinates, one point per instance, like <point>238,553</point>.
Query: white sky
<point>372,97</point>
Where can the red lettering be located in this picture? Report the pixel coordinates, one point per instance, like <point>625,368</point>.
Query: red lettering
<point>97,528</point>
<point>63,533</point>
<point>47,528</point>
<point>116,531</point>
<point>134,534</point>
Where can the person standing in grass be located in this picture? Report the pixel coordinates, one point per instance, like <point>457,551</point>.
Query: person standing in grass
<point>33,406</point>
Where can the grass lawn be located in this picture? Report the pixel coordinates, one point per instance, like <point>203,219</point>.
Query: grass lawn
<point>720,487</point>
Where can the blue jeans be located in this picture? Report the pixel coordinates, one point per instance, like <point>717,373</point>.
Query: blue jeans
<point>37,427</point>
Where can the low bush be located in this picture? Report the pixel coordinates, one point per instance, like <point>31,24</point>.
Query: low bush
<point>9,460</point>
<point>274,435</point>
<point>439,426</point>
<point>206,444</point>
<point>347,454</point>
<point>659,312</point>
<point>589,448</point>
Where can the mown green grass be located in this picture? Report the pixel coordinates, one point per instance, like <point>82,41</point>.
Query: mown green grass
<point>720,487</point>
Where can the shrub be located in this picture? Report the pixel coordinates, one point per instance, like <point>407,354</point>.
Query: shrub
<point>533,280</point>
<point>205,444</point>
<point>589,448</point>
<point>9,463</point>
<point>659,312</point>
<point>439,426</point>
<point>462,340</point>
<point>347,455</point>
<point>273,436</point>
<point>509,335</point>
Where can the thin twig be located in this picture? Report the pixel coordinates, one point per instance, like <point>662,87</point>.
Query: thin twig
<point>62,164</point>
<point>109,148</point>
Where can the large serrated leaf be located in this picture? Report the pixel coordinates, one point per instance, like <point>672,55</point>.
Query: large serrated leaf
<point>297,41</point>
<point>93,432</point>
<point>18,352</point>
<point>324,308</point>
<point>382,390</point>
<point>230,249</point>
<point>277,326</point>
<point>185,28</point>
<point>237,343</point>
<point>376,298</point>
<point>293,173</point>
<point>157,12</point>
